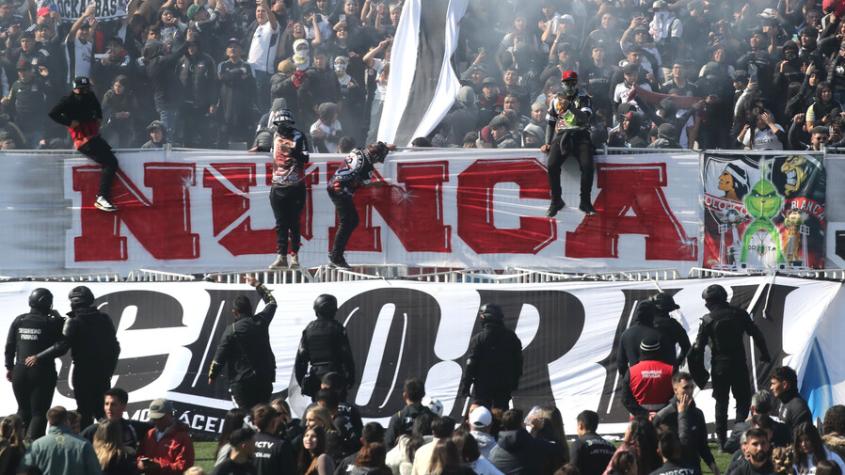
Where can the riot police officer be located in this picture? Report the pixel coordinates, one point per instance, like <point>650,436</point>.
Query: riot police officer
<point>34,385</point>
<point>494,361</point>
<point>669,328</point>
<point>723,329</point>
<point>91,338</point>
<point>324,348</point>
<point>245,351</point>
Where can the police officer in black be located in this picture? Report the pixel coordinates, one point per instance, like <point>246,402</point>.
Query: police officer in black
<point>244,350</point>
<point>324,348</point>
<point>33,385</point>
<point>671,330</point>
<point>91,338</point>
<point>723,329</point>
<point>494,361</point>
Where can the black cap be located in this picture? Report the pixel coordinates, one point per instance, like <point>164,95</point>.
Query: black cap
<point>665,302</point>
<point>81,82</point>
<point>232,41</point>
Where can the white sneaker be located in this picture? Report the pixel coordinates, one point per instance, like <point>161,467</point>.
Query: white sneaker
<point>280,262</point>
<point>103,205</point>
<point>294,261</point>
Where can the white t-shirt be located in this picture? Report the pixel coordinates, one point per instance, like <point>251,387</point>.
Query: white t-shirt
<point>83,58</point>
<point>335,128</point>
<point>262,50</point>
<point>623,93</point>
<point>764,139</point>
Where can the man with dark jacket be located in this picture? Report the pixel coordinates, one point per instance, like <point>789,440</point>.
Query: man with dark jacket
<point>272,454</point>
<point>685,419</point>
<point>198,78</point>
<point>517,452</point>
<point>642,328</point>
<point>756,455</point>
<point>81,113</point>
<point>236,101</point>
<point>33,386</point>
<point>494,361</point>
<point>670,328</point>
<point>723,329</point>
<point>647,385</point>
<point>27,102</point>
<point>793,409</point>
<point>762,404</point>
<point>403,421</point>
<point>324,348</point>
<point>589,452</point>
<point>245,351</point>
<point>91,338</point>
<point>114,407</point>
<point>160,66</point>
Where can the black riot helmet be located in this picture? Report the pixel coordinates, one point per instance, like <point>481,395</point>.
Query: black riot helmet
<point>715,293</point>
<point>81,297</point>
<point>491,312</point>
<point>325,306</point>
<point>41,299</point>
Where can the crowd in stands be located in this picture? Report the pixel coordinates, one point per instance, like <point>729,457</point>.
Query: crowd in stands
<point>420,440</point>
<point>755,74</point>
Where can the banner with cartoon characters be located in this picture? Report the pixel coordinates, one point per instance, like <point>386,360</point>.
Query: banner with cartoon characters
<point>763,210</point>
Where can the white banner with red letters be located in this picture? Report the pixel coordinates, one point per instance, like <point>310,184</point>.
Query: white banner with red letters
<point>398,329</point>
<point>203,211</point>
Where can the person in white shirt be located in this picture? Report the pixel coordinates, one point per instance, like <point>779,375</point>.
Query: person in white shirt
<point>262,52</point>
<point>471,456</point>
<point>764,134</point>
<point>327,131</point>
<point>79,47</point>
<point>480,420</point>
<point>442,428</point>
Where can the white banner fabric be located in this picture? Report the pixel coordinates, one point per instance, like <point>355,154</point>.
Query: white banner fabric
<point>398,329</point>
<point>204,211</point>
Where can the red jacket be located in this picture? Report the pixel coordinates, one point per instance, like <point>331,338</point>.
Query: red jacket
<point>174,453</point>
<point>647,387</point>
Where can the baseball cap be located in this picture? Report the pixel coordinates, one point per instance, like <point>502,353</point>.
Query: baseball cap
<point>233,41</point>
<point>499,121</point>
<point>631,68</point>
<point>160,408</point>
<point>569,75</point>
<point>480,417</point>
<point>43,11</point>
<point>156,124</point>
<point>489,81</point>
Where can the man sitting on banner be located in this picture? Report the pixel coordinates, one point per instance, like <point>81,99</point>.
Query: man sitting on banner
<point>647,386</point>
<point>245,351</point>
<point>357,170</point>
<point>568,133</point>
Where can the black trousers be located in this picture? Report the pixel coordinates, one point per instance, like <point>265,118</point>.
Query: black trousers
<point>90,384</point>
<point>348,217</point>
<point>730,376</point>
<point>100,151</point>
<point>564,145</point>
<point>492,399</point>
<point>287,203</point>
<point>249,392</point>
<point>33,388</point>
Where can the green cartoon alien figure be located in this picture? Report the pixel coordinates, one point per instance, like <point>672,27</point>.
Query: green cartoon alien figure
<point>763,203</point>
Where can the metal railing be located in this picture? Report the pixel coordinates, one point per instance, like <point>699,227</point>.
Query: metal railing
<point>817,274</point>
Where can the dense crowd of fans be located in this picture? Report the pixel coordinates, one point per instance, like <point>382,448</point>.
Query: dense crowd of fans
<point>758,74</point>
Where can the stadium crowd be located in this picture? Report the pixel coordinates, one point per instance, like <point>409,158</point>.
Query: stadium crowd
<point>773,431</point>
<point>756,74</point>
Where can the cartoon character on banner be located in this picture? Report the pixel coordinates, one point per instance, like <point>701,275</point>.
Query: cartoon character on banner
<point>733,181</point>
<point>794,168</point>
<point>796,238</point>
<point>763,204</point>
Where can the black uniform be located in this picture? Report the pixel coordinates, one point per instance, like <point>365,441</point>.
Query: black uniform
<point>90,336</point>
<point>494,365</point>
<point>671,468</point>
<point>723,329</point>
<point>568,133</point>
<point>641,329</point>
<point>273,455</point>
<point>691,429</point>
<point>287,195</point>
<point>673,334</point>
<point>30,334</point>
<point>402,422</point>
<point>244,350</point>
<point>324,348</point>
<point>591,453</point>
